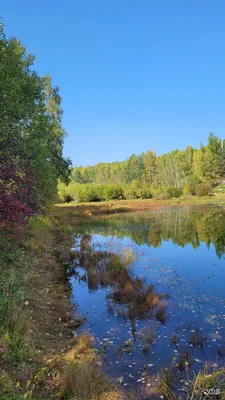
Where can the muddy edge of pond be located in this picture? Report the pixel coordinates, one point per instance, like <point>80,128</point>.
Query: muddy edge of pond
<point>114,206</point>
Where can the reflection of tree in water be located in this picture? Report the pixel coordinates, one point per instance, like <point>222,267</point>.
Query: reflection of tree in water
<point>154,236</point>
<point>130,297</point>
<point>181,226</point>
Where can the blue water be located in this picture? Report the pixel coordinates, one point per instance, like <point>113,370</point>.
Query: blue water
<point>191,275</point>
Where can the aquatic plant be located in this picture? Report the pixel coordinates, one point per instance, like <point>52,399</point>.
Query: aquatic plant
<point>165,385</point>
<point>183,363</point>
<point>174,338</point>
<point>208,383</point>
<point>151,335</point>
<point>160,315</point>
<point>197,339</point>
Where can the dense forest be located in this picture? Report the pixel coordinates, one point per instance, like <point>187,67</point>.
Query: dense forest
<point>189,171</point>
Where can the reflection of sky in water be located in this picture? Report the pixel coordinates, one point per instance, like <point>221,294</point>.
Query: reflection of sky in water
<point>194,281</point>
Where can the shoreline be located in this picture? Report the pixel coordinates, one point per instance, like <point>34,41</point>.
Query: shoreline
<point>55,354</point>
<point>52,354</point>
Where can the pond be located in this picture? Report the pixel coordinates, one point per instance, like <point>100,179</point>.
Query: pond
<point>177,260</point>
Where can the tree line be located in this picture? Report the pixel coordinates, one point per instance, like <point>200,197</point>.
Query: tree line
<point>191,171</point>
<point>31,137</point>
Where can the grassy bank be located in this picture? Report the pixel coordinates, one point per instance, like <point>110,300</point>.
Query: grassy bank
<point>40,356</point>
<point>113,206</point>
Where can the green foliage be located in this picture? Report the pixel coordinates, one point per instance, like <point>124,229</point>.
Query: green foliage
<point>173,169</point>
<point>15,345</point>
<point>192,182</point>
<point>113,192</point>
<point>203,189</point>
<point>219,188</point>
<point>88,193</point>
<point>144,176</point>
<point>173,192</point>
<point>31,133</point>
<point>39,223</point>
<point>130,193</point>
<point>14,264</point>
<point>145,193</point>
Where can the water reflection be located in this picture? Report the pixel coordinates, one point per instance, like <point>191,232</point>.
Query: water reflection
<point>130,296</point>
<point>168,308</point>
<point>181,226</point>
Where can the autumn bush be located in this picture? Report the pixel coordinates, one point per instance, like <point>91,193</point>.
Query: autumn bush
<point>203,189</point>
<point>16,197</point>
<point>186,190</point>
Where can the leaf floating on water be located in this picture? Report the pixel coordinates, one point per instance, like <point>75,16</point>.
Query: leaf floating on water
<point>120,379</point>
<point>197,360</point>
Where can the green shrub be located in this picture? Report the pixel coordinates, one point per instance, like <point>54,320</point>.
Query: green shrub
<point>87,193</point>
<point>113,192</point>
<point>62,192</point>
<point>174,192</point>
<point>100,190</point>
<point>131,194</point>
<point>145,193</point>
<point>17,348</point>
<point>203,189</point>
<point>192,182</point>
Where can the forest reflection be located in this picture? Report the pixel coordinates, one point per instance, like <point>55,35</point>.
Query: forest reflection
<point>181,226</point>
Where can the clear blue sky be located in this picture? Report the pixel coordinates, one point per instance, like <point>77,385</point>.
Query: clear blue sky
<point>134,74</point>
